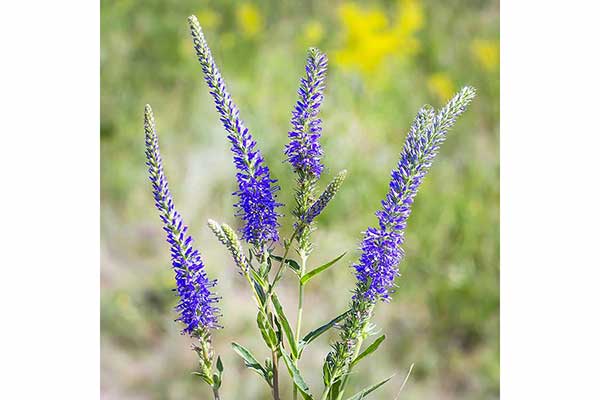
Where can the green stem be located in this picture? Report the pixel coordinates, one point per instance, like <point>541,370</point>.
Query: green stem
<point>304,257</point>
<point>347,376</point>
<point>326,393</point>
<point>280,269</point>
<point>216,393</point>
<point>275,375</point>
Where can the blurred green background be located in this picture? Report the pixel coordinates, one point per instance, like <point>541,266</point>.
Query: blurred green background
<point>387,58</point>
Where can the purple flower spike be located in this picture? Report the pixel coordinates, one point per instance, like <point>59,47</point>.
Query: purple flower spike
<point>196,301</point>
<point>381,251</point>
<point>256,190</point>
<point>304,151</point>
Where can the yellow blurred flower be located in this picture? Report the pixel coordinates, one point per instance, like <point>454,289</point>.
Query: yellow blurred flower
<point>369,37</point>
<point>487,53</point>
<point>249,20</point>
<point>313,32</point>
<point>410,20</point>
<point>209,19</point>
<point>441,86</point>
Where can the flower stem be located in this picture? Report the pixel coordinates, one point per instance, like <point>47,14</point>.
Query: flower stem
<point>275,375</point>
<point>326,393</point>
<point>216,393</point>
<point>347,376</point>
<point>280,269</point>
<point>304,257</point>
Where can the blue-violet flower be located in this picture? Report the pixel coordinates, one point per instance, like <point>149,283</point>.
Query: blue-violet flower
<point>381,251</point>
<point>196,307</point>
<point>304,151</point>
<point>256,189</point>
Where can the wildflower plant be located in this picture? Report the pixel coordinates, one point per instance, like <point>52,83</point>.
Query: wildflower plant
<point>262,258</point>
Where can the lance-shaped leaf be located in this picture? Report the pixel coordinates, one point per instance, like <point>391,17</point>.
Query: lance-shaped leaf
<point>312,335</point>
<point>267,332</point>
<point>289,262</point>
<point>372,347</point>
<point>363,393</point>
<point>309,275</point>
<point>295,374</point>
<point>329,193</point>
<point>250,361</point>
<point>218,376</point>
<point>285,325</point>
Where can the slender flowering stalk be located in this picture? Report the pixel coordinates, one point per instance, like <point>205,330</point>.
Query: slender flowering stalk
<point>328,194</point>
<point>304,150</point>
<point>256,189</point>
<point>196,305</point>
<point>227,236</point>
<point>381,252</point>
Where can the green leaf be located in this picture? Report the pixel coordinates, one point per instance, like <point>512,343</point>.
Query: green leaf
<point>372,347</point>
<point>308,276</point>
<point>286,326</point>
<point>295,374</point>
<point>264,269</point>
<point>258,279</point>
<point>217,377</point>
<point>219,364</point>
<point>268,334</point>
<point>363,393</point>
<point>291,263</point>
<point>326,373</point>
<point>335,390</point>
<point>260,286</point>
<point>250,361</point>
<point>204,377</point>
<point>312,335</point>
<point>216,381</point>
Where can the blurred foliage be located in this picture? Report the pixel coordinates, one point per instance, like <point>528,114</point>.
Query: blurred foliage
<point>387,58</point>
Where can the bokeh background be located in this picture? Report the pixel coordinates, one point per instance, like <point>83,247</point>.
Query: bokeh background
<point>387,58</point>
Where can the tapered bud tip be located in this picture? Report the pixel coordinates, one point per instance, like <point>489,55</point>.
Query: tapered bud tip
<point>213,224</point>
<point>342,174</point>
<point>229,232</point>
<point>194,23</point>
<point>469,91</point>
<point>147,109</point>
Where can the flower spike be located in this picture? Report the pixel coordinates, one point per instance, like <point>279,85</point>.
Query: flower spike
<point>196,305</point>
<point>256,189</point>
<point>376,269</point>
<point>381,251</point>
<point>304,151</point>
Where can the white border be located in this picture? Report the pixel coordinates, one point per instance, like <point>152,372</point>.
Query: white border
<point>49,167</point>
<point>550,273</point>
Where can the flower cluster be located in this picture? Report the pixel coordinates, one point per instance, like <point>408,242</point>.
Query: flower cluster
<point>381,248</point>
<point>196,305</point>
<point>304,151</point>
<point>328,194</point>
<point>256,189</point>
<point>376,269</point>
<point>381,251</point>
